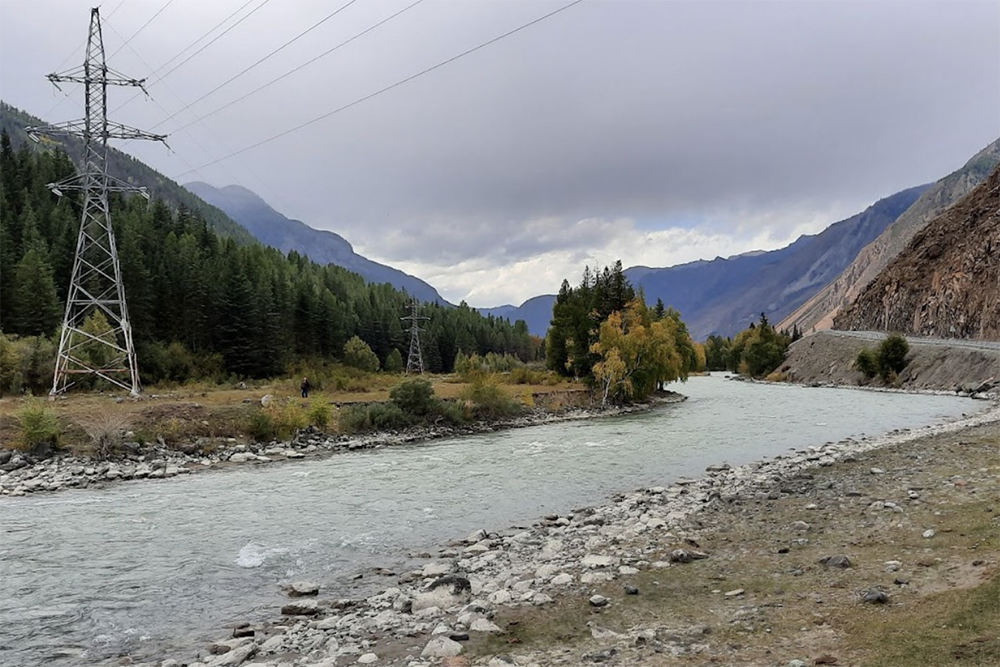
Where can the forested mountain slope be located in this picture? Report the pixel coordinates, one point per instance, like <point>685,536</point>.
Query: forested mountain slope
<point>821,309</point>
<point>946,282</point>
<point>274,229</point>
<point>204,305</point>
<point>126,168</point>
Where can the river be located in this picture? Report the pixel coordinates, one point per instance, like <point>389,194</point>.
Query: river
<point>158,568</point>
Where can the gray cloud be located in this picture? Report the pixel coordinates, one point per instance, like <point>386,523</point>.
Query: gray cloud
<point>750,119</point>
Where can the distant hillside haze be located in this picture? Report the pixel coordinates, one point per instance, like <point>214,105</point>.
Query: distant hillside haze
<point>819,311</point>
<point>946,281</point>
<point>272,228</point>
<point>724,295</point>
<point>536,312</point>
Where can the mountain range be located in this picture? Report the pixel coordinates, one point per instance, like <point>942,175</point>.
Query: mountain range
<point>722,296</point>
<point>274,229</point>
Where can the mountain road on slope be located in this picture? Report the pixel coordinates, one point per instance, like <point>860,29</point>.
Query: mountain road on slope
<point>917,340</point>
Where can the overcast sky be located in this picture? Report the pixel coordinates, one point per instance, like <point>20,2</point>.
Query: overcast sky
<point>654,132</point>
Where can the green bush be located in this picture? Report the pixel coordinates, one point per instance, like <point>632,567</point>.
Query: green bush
<point>524,375</point>
<point>867,363</point>
<point>374,417</point>
<point>40,429</point>
<point>892,356</point>
<point>358,354</point>
<point>261,426</point>
<point>414,397</point>
<point>488,399</point>
<point>393,362</point>
<point>319,414</point>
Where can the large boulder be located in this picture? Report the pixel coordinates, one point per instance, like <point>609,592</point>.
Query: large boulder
<point>445,592</point>
<point>441,647</point>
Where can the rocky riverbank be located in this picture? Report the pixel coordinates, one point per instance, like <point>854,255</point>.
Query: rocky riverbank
<point>22,474</point>
<point>772,563</point>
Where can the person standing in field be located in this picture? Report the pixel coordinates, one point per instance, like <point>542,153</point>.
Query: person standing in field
<point>305,387</point>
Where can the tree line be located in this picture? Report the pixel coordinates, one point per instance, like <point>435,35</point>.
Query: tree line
<point>205,306</point>
<point>757,351</point>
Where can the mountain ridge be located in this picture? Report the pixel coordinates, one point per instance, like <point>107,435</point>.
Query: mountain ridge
<point>273,228</point>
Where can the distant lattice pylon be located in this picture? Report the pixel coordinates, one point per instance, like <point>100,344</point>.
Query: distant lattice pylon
<point>96,283</point>
<point>415,360</point>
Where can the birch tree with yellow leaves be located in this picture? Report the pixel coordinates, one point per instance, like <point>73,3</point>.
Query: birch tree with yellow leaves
<point>637,354</point>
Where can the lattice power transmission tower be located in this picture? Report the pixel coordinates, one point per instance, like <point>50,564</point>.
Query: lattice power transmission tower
<point>415,360</point>
<point>96,285</point>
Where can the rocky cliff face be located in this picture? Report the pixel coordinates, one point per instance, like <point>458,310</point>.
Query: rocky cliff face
<point>820,311</point>
<point>946,282</point>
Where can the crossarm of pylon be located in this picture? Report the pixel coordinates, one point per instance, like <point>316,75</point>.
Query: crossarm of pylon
<point>78,128</point>
<point>110,77</point>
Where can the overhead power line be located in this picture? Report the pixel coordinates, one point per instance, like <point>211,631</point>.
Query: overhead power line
<point>269,55</point>
<point>305,64</point>
<point>386,89</point>
<point>160,77</point>
<point>141,28</point>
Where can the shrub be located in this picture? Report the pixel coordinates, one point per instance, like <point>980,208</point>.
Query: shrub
<point>393,362</point>
<point>358,354</point>
<point>892,356</point>
<point>867,363</point>
<point>415,397</point>
<point>776,376</point>
<point>524,375</point>
<point>106,430</point>
<point>260,426</point>
<point>319,414</point>
<point>288,418</point>
<point>40,429</point>
<point>377,416</point>
<point>488,399</point>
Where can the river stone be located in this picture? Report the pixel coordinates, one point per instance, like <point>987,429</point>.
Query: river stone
<point>447,591</point>
<point>301,608</point>
<point>598,601</point>
<point>367,659</point>
<point>562,579</point>
<point>484,625</point>
<point>842,562</point>
<point>298,589</point>
<point>594,561</point>
<point>438,568</point>
<point>441,647</point>
<point>237,656</point>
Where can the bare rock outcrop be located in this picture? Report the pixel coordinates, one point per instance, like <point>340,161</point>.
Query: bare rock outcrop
<point>819,311</point>
<point>946,282</point>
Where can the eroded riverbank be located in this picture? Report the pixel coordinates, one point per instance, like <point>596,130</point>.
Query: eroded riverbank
<point>22,474</point>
